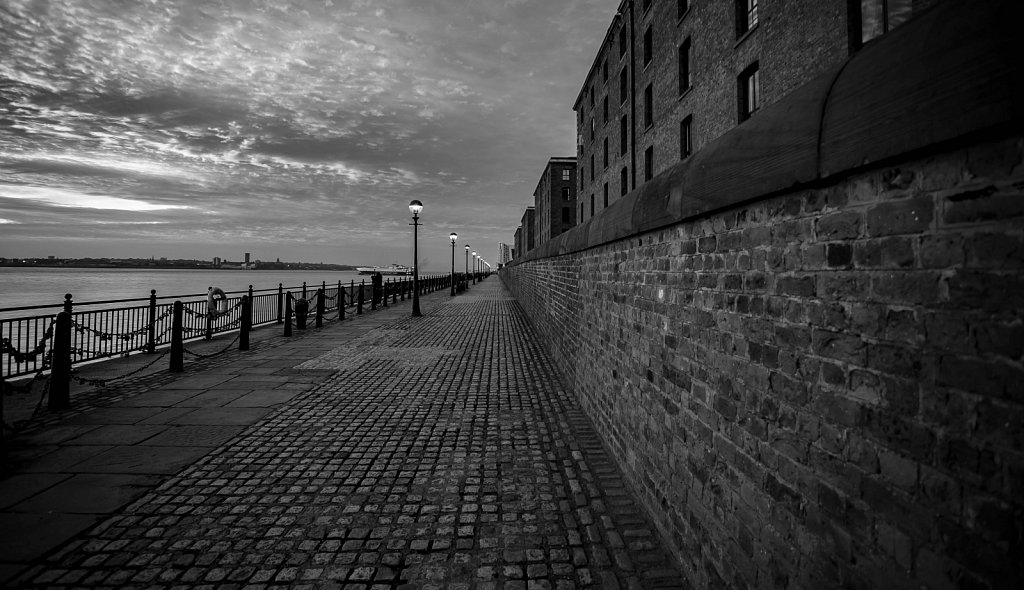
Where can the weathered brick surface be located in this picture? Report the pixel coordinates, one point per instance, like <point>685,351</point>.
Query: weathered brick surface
<point>821,389</point>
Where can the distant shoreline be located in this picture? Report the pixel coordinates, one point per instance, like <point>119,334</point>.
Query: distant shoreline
<point>171,265</point>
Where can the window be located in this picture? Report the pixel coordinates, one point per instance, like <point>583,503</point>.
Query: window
<point>565,215</point>
<point>604,70</point>
<point>591,167</point>
<point>583,170</point>
<point>591,97</point>
<point>591,204</point>
<point>622,41</point>
<point>604,107</point>
<point>623,84</point>
<point>881,16</point>
<point>686,137</point>
<point>606,152</point>
<point>681,7</point>
<point>606,195</point>
<point>565,193</point>
<point>746,16</point>
<point>623,135</point>
<point>649,105</point>
<point>565,174</point>
<point>749,92</point>
<point>623,181</point>
<point>648,46</point>
<point>649,163</point>
<point>581,212</point>
<point>593,128</point>
<point>684,67</point>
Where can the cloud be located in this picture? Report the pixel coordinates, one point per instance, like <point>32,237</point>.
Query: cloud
<point>64,198</point>
<point>304,124</point>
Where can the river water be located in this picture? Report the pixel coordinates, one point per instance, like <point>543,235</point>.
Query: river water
<point>20,286</point>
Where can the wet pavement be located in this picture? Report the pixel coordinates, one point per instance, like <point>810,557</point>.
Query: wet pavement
<point>381,452</point>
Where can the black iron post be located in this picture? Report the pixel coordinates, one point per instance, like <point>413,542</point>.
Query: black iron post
<point>177,340</point>
<point>341,302</point>
<point>288,314</point>
<point>320,308</point>
<point>60,369</point>
<point>280,302</point>
<point>360,298</point>
<point>243,332</point>
<point>151,337</point>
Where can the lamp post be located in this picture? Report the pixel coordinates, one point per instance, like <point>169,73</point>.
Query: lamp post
<point>415,206</point>
<point>474,268</point>
<point>453,236</point>
<point>467,265</point>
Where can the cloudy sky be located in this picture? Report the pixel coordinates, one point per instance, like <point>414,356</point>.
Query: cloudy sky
<point>290,129</point>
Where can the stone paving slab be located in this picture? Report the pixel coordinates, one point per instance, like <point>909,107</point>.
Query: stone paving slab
<point>436,452</point>
<point>89,493</point>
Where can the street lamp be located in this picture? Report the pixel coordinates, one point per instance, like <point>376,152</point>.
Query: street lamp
<point>474,268</point>
<point>415,206</point>
<point>467,265</point>
<point>453,236</point>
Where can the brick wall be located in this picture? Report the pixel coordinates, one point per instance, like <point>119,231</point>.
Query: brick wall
<point>804,343</point>
<point>822,388</point>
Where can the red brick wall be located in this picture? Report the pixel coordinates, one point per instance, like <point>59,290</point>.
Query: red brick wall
<point>818,389</point>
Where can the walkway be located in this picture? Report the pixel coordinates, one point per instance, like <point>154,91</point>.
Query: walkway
<point>382,452</point>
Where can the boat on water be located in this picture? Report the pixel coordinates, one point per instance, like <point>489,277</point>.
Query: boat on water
<point>394,269</point>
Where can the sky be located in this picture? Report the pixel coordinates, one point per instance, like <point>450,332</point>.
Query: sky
<point>293,130</point>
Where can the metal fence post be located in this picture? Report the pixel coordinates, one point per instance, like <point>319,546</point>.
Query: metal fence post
<point>384,289</point>
<point>341,302</point>
<point>151,337</point>
<point>360,297</point>
<point>243,332</point>
<point>67,302</point>
<point>320,308</point>
<point>288,314</point>
<point>303,289</point>
<point>280,302</point>
<point>60,369</point>
<point>177,345</point>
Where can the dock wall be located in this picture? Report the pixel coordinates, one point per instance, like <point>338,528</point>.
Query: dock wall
<point>803,345</point>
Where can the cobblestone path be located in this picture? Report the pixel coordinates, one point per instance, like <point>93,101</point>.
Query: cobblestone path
<point>441,453</point>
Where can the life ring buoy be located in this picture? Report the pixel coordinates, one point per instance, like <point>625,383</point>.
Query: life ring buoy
<point>216,300</point>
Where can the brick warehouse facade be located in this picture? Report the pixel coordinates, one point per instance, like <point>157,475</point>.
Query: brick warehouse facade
<point>526,235</point>
<point>555,198</point>
<point>671,76</point>
<point>804,343</point>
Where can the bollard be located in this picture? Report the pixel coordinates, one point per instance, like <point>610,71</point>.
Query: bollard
<point>177,346</point>
<point>243,332</point>
<point>384,291</point>
<point>401,288</point>
<point>67,302</point>
<point>60,368</point>
<point>320,308</point>
<point>394,292</point>
<point>280,302</point>
<point>151,337</point>
<point>301,313</point>
<point>359,300</point>
<point>288,314</point>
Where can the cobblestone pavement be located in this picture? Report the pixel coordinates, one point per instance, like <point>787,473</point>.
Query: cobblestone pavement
<point>441,452</point>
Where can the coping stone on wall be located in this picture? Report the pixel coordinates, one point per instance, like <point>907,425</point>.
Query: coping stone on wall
<point>953,72</point>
